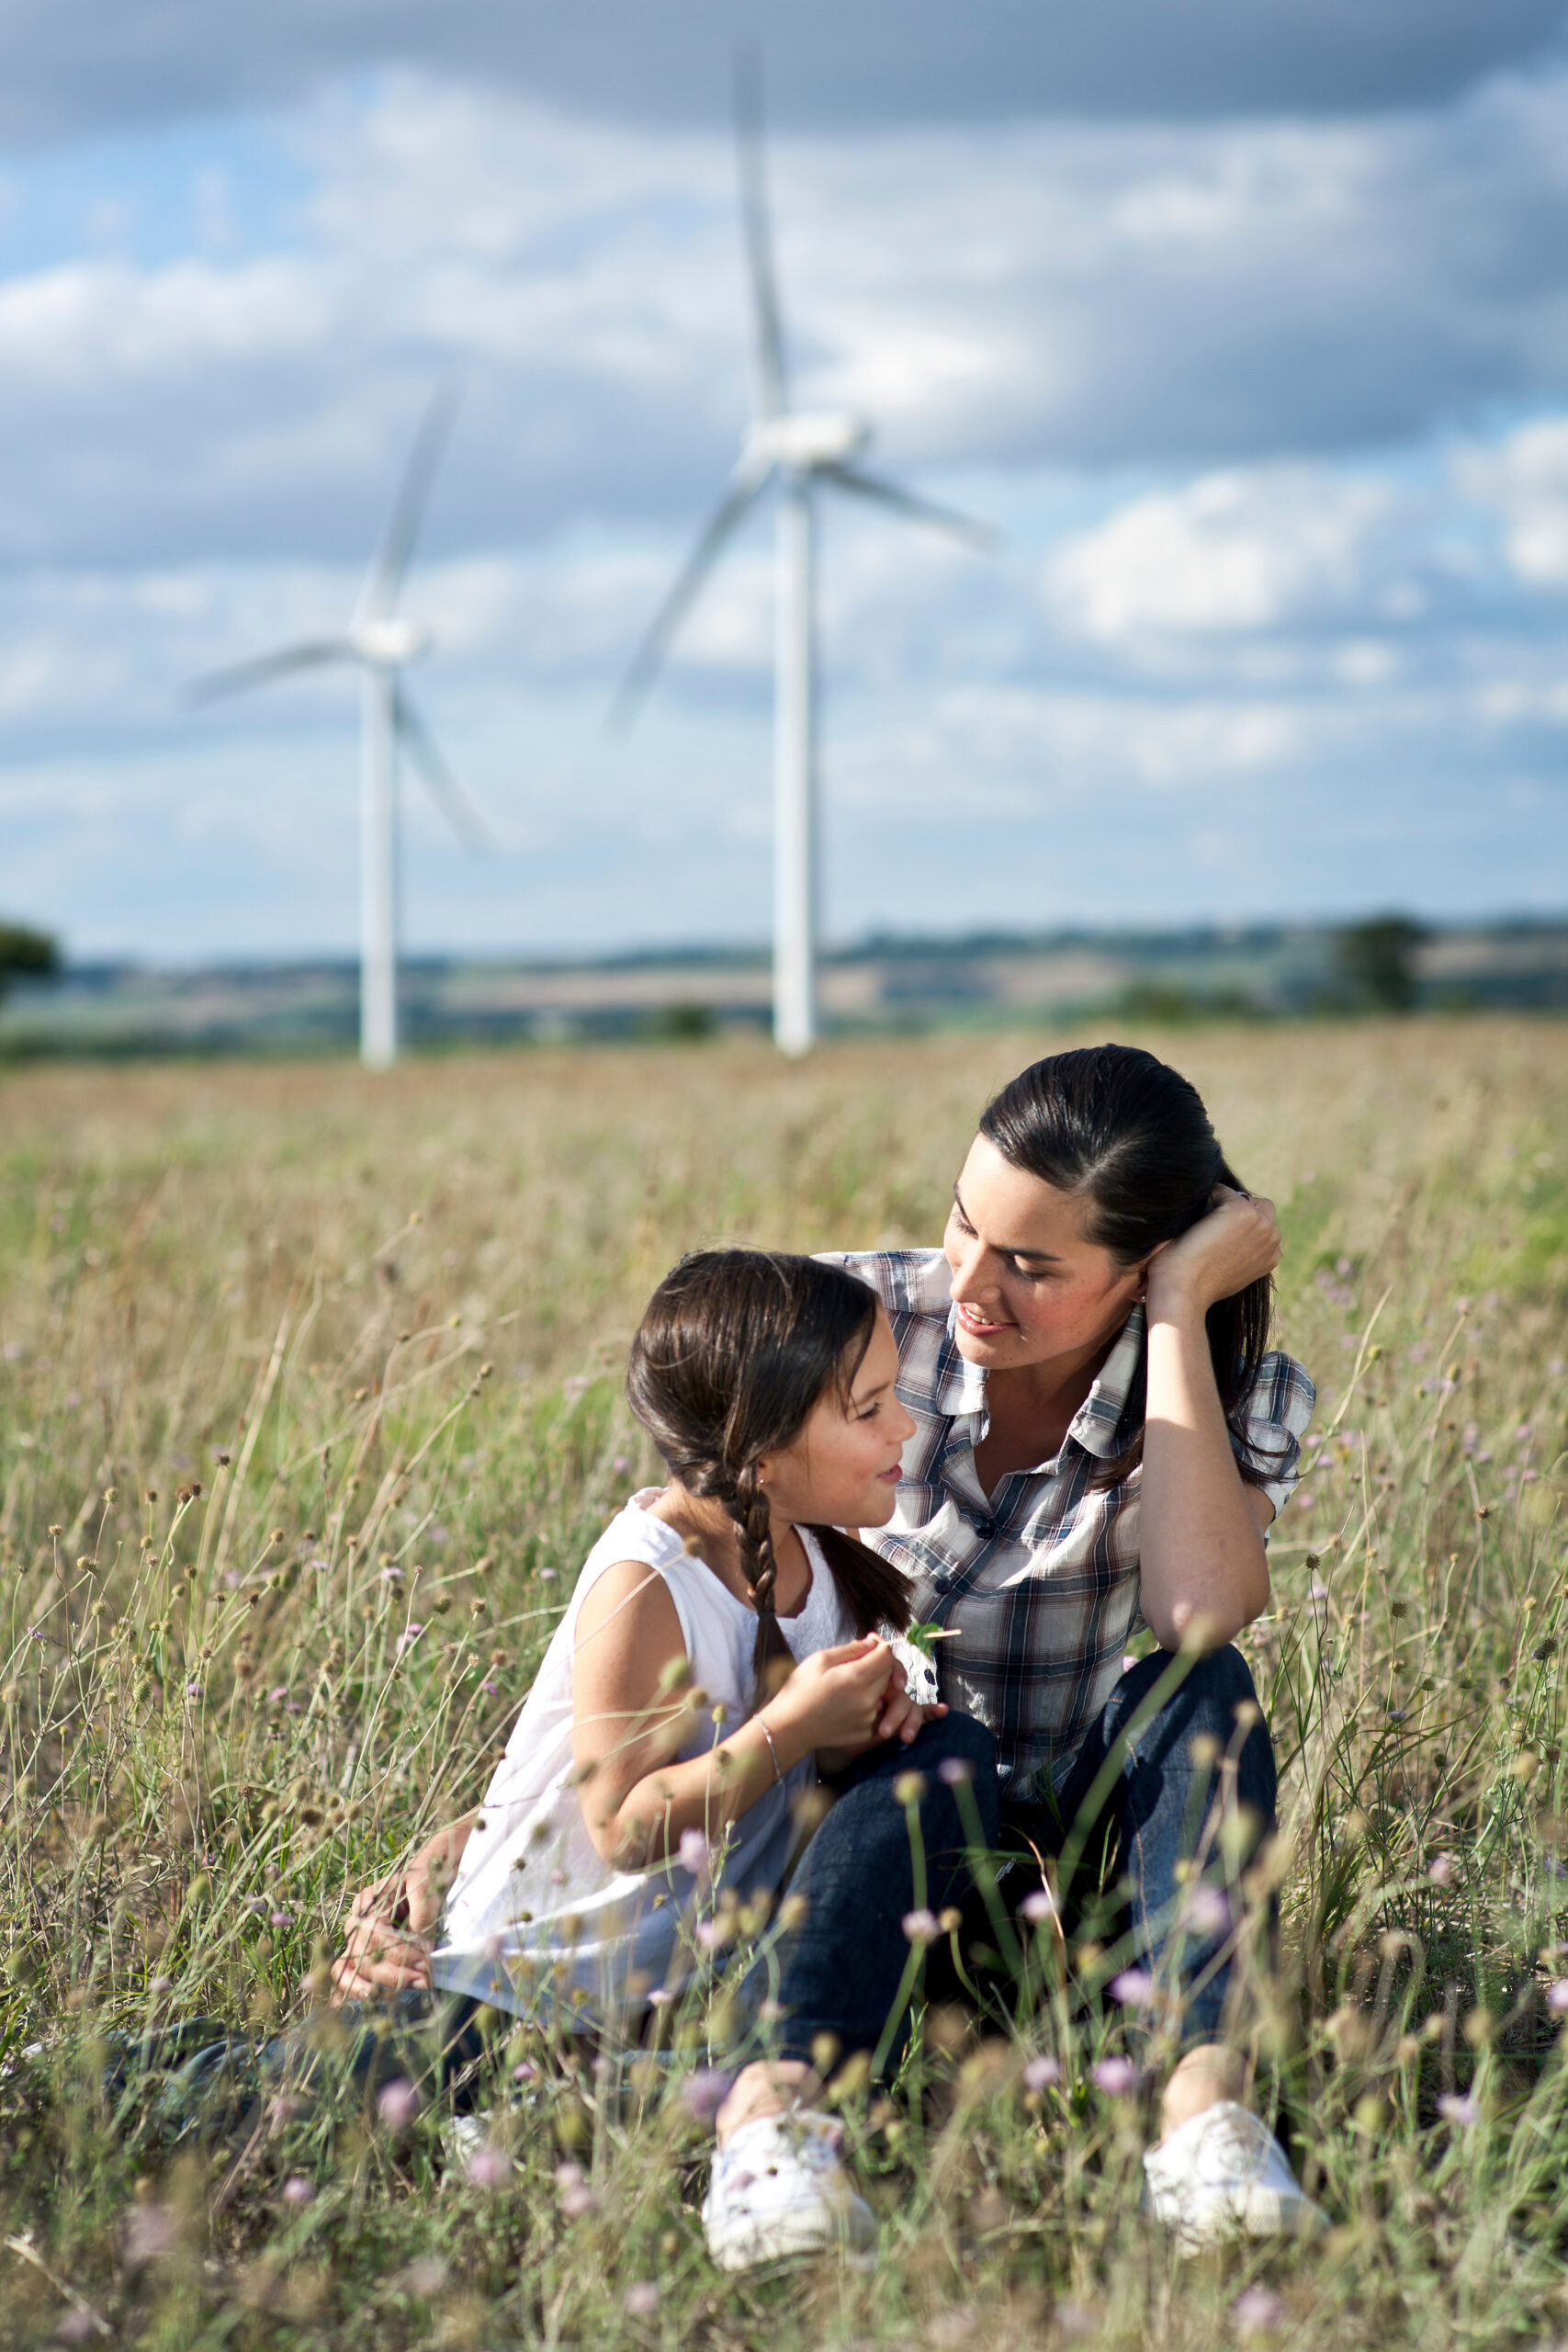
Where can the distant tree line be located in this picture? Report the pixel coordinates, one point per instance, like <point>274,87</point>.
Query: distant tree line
<point>1374,962</point>
<point>26,954</point>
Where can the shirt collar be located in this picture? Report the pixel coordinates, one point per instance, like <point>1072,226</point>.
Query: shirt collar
<point>961,1385</point>
<point>1098,1418</point>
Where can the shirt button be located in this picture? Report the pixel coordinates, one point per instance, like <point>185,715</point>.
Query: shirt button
<point>986,1528</point>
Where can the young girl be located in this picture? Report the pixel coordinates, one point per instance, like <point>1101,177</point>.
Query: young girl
<point>724,1641</point>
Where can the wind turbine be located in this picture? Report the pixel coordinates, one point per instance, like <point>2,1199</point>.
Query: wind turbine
<point>379,642</point>
<point>799,450</point>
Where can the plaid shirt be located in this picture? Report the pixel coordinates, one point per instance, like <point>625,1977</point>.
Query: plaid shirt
<point>1042,1576</point>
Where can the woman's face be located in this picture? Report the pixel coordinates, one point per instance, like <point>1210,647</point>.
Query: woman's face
<point>1027,1284</point>
<point>842,1469</point>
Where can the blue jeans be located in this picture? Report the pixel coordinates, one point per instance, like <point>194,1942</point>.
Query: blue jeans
<point>839,1972</point>
<point>199,2079</point>
<point>1152,1814</point>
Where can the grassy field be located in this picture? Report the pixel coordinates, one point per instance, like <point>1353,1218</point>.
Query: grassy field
<point>294,1361</point>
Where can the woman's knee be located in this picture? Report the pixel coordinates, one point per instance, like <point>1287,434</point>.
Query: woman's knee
<point>958,1751</point>
<point>1221,1680</point>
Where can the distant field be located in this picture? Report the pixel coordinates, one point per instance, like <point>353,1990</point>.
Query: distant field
<point>1268,971</point>
<point>398,1307</point>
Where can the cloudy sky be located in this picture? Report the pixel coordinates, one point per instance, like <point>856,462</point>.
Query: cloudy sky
<point>1247,327</point>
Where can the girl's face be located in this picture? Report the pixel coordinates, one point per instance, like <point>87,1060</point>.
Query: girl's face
<point>1027,1284</point>
<point>842,1470</point>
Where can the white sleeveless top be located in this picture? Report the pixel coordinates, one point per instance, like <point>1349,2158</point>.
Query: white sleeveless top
<point>534,1904</point>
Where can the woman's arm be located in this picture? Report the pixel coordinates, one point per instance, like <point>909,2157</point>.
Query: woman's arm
<point>1204,1570</point>
<point>632,1710</point>
<point>386,1947</point>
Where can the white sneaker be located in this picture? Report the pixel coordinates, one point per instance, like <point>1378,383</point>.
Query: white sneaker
<point>779,2188</point>
<point>1222,2176</point>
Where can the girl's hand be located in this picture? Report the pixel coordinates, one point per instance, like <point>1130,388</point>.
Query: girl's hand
<point>1235,1243</point>
<point>835,1698</point>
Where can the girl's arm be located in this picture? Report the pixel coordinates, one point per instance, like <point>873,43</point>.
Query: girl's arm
<point>1204,1570</point>
<point>633,1707</point>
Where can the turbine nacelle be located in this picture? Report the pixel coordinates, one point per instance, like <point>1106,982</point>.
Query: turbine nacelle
<point>801,441</point>
<point>386,643</point>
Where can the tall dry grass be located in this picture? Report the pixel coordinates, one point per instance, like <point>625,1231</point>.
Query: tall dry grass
<point>294,1361</point>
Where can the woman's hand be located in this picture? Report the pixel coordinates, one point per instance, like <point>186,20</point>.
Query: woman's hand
<point>378,1959</point>
<point>1232,1246</point>
<point>391,1925</point>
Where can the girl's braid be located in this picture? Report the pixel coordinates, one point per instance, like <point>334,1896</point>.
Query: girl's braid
<point>742,1496</point>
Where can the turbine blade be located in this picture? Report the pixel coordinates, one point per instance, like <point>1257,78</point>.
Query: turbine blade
<point>916,510</point>
<point>745,489</point>
<point>242,675</point>
<point>386,574</point>
<point>767,335</point>
<point>454,800</point>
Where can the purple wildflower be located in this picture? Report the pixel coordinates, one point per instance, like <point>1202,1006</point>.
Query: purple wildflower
<point>398,2105</point>
<point>1117,2077</point>
<point>694,1853</point>
<point>705,2093</point>
<point>1256,2310</point>
<point>1135,1988</point>
<point>1040,2075</point>
<point>1207,1911</point>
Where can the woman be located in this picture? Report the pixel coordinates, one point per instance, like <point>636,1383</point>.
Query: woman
<point>1102,1440</point>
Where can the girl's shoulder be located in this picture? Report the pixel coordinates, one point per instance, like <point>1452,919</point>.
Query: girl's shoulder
<point>637,1534</point>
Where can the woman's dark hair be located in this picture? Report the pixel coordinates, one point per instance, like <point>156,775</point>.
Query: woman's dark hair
<point>1132,1136</point>
<point>735,1349</point>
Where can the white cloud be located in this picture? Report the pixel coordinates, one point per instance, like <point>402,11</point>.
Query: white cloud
<point>1229,552</point>
<point>1053,326</point>
<point>101,325</point>
<point>1526,477</point>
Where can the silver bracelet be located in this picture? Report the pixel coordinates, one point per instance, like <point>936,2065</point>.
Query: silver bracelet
<point>772,1751</point>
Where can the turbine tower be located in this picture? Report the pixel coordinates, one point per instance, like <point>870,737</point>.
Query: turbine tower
<point>379,642</point>
<point>798,451</point>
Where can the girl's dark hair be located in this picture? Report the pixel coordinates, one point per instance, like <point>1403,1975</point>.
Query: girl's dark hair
<point>735,1349</point>
<point>1132,1137</point>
